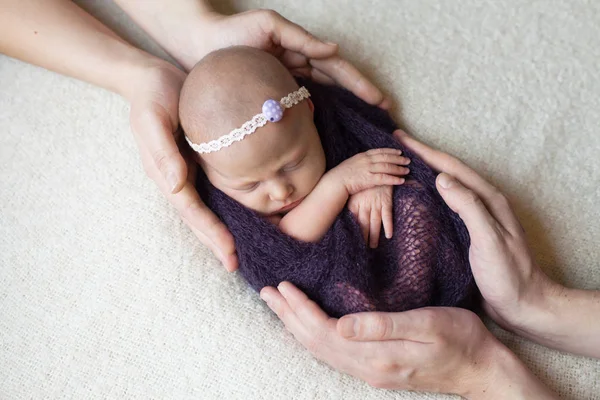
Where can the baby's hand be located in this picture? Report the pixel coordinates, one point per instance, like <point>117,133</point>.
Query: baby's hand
<point>371,207</point>
<point>376,167</point>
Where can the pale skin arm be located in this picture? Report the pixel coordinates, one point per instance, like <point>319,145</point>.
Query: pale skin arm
<point>60,36</point>
<point>312,218</point>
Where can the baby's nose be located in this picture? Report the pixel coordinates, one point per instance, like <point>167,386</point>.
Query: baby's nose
<point>280,191</point>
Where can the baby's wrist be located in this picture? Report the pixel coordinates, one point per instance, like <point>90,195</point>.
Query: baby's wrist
<point>336,183</point>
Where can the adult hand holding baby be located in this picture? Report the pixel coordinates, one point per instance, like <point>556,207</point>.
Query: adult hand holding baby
<point>73,43</point>
<point>411,350</point>
<point>439,349</point>
<point>188,30</point>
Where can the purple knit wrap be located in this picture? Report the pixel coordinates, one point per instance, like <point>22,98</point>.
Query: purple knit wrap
<point>424,264</point>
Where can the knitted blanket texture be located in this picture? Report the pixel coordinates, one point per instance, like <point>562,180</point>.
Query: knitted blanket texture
<point>425,263</point>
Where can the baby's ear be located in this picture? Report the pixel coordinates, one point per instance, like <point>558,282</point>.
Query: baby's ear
<point>311,105</point>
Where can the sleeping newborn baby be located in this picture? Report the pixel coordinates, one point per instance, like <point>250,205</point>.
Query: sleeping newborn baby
<point>281,180</point>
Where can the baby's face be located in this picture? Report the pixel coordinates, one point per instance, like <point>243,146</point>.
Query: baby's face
<point>272,170</point>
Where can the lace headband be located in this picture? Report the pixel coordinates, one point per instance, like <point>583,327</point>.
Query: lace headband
<point>272,110</point>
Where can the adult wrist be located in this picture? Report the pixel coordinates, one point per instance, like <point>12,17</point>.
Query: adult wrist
<point>539,310</point>
<point>502,376</point>
<point>137,69</point>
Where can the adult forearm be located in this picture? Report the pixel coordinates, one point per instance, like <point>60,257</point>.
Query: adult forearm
<point>60,36</point>
<point>176,25</point>
<point>564,319</point>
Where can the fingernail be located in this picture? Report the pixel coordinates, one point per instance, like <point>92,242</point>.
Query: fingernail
<point>445,180</point>
<point>347,326</point>
<point>282,289</point>
<point>266,298</point>
<point>172,181</point>
<point>331,43</point>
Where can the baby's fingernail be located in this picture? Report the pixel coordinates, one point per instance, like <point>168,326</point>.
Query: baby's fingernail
<point>347,326</point>
<point>445,180</point>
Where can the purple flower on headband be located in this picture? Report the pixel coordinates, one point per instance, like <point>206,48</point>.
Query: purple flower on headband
<point>272,110</point>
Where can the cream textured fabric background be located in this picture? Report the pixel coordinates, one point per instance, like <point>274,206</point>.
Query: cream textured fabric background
<point>105,294</point>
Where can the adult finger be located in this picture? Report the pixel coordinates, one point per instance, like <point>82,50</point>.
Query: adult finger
<point>346,75</point>
<point>206,225</point>
<point>279,305</point>
<point>443,162</point>
<point>466,203</point>
<point>155,133</point>
<point>292,59</point>
<point>310,72</point>
<point>322,56</point>
<point>419,325</point>
<point>293,37</point>
<point>495,201</point>
<point>307,311</point>
<point>223,248</point>
<point>320,77</point>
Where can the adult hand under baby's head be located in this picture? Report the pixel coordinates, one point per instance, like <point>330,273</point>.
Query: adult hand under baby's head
<point>281,162</point>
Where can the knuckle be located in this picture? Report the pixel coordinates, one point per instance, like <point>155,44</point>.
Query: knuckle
<point>495,238</point>
<point>382,326</point>
<point>149,169</point>
<point>470,198</point>
<point>385,366</point>
<point>269,13</point>
<point>499,199</point>
<point>161,159</point>
<point>429,319</point>
<point>313,345</point>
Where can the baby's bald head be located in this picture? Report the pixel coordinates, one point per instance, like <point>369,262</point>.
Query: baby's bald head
<point>227,88</point>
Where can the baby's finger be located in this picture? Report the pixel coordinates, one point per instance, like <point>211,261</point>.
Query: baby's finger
<point>389,158</point>
<point>388,221</point>
<point>388,168</point>
<point>382,150</point>
<point>375,228</point>
<point>363,221</point>
<point>382,179</point>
